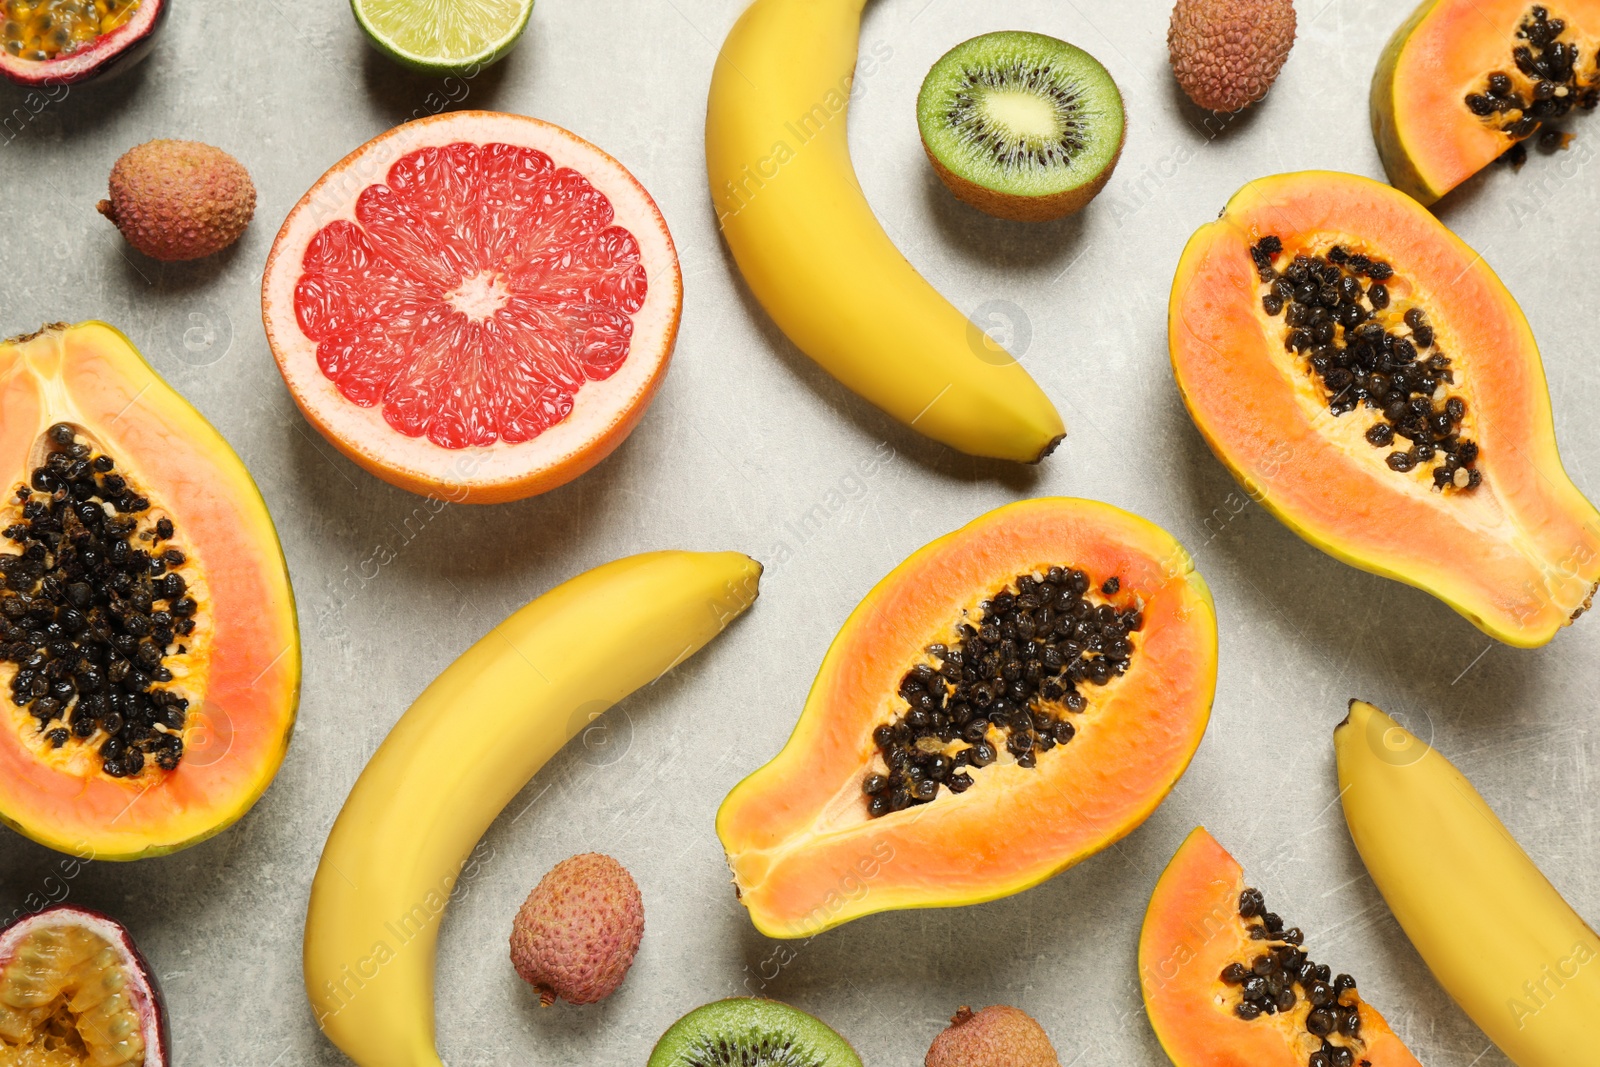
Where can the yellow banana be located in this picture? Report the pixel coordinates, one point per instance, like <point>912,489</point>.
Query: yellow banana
<point>1493,930</point>
<point>457,757</point>
<point>817,258</point>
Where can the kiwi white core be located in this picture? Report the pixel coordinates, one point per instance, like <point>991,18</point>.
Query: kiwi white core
<point>1024,115</point>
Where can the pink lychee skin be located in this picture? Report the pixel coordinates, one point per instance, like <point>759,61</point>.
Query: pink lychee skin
<point>577,933</point>
<point>994,1037</point>
<point>1227,53</point>
<point>179,200</point>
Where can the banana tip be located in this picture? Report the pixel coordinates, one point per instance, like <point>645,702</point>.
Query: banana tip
<point>1049,448</point>
<point>1349,712</point>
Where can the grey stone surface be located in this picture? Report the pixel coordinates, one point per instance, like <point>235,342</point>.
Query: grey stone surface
<point>745,443</point>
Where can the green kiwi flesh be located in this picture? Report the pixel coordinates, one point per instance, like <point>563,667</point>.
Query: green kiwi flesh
<point>748,1032</point>
<point>1021,125</point>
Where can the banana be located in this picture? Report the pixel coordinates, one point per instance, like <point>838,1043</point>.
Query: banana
<point>1493,930</point>
<point>817,258</point>
<point>471,741</point>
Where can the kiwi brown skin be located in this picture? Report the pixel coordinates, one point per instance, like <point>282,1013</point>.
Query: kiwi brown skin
<point>1026,208</point>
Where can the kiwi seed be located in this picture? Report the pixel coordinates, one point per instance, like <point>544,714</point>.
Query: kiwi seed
<point>1021,125</point>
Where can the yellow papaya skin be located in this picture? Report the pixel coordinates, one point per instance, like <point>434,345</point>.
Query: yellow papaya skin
<point>1397,163</point>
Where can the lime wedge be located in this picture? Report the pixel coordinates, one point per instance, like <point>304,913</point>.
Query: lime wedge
<point>444,36</point>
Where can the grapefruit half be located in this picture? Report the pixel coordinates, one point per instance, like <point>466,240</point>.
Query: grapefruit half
<point>475,306</point>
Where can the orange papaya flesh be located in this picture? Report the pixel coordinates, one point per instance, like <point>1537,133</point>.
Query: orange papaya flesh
<point>149,647</point>
<point>807,850</point>
<point>1516,549</point>
<point>1436,116</point>
<point>1206,934</point>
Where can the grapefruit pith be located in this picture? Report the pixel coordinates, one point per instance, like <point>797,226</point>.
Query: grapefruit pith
<point>474,305</point>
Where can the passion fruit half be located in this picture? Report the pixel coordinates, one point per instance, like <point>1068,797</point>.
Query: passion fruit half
<point>74,990</point>
<point>64,42</point>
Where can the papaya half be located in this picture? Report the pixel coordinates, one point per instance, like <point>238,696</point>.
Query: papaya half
<point>1227,984</point>
<point>1367,378</point>
<point>1463,82</point>
<point>149,647</point>
<point>1049,665</point>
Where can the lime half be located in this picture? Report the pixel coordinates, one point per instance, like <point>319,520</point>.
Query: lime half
<point>444,36</point>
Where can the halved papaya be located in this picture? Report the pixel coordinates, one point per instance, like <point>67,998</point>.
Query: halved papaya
<point>1051,665</point>
<point>1226,984</point>
<point>1365,375</point>
<point>149,648</point>
<point>1461,82</point>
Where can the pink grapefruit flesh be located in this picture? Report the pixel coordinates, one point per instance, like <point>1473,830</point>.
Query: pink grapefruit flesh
<point>474,305</point>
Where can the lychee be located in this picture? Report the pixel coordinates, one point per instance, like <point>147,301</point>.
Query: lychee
<point>1227,53</point>
<point>577,933</point>
<point>994,1037</point>
<point>176,200</point>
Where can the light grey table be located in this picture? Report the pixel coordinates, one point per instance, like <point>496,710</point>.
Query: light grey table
<point>746,440</point>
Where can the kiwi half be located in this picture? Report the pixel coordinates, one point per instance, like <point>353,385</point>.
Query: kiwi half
<point>748,1032</point>
<point>1021,125</point>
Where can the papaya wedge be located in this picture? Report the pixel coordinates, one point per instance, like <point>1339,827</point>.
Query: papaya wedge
<point>1049,665</point>
<point>1366,376</point>
<point>149,647</point>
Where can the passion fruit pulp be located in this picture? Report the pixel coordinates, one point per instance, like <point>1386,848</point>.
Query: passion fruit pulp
<point>64,42</point>
<point>75,991</point>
